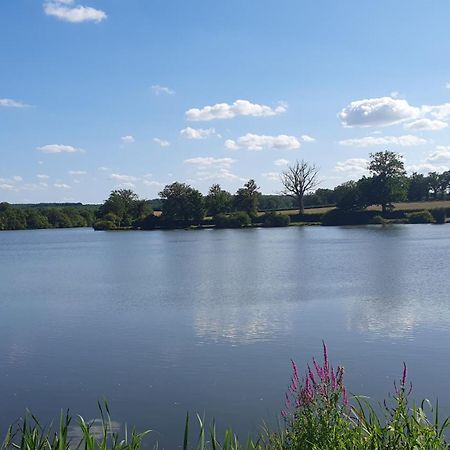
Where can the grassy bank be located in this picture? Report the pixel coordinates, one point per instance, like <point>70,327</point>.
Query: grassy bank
<point>318,414</point>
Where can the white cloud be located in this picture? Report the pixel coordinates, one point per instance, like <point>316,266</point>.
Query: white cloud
<point>369,141</point>
<point>161,142</point>
<point>306,138</point>
<point>352,166</point>
<point>127,139</point>
<point>436,161</point>
<point>10,103</point>
<point>153,183</point>
<point>158,90</point>
<point>281,162</point>
<point>238,108</point>
<point>210,168</point>
<point>272,176</point>
<point>7,187</point>
<point>42,177</point>
<point>103,169</point>
<point>259,142</point>
<point>62,9</point>
<point>58,148</point>
<point>77,172</point>
<point>447,85</point>
<point>426,125</point>
<point>61,186</point>
<point>439,112</point>
<point>17,178</point>
<point>381,111</point>
<point>122,178</point>
<point>197,133</point>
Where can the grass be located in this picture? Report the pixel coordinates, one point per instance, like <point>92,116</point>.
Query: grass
<point>318,414</point>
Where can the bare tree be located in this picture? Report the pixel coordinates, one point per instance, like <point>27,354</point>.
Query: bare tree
<point>298,180</point>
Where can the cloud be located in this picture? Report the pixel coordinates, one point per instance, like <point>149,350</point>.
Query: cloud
<point>153,183</point>
<point>122,178</point>
<point>7,187</point>
<point>42,177</point>
<point>77,172</point>
<point>352,166</point>
<point>436,161</point>
<point>210,168</point>
<point>272,176</point>
<point>238,108</point>
<point>259,142</point>
<point>281,162</point>
<point>426,125</point>
<point>103,169</point>
<point>439,112</point>
<point>369,141</point>
<point>306,138</point>
<point>381,111</point>
<point>17,178</point>
<point>158,90</point>
<point>197,133</point>
<point>10,103</point>
<point>127,139</point>
<point>66,10</point>
<point>61,186</point>
<point>161,142</point>
<point>58,148</point>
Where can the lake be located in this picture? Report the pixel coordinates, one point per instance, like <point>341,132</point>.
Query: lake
<point>165,322</point>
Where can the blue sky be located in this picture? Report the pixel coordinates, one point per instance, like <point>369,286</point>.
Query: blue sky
<point>103,94</point>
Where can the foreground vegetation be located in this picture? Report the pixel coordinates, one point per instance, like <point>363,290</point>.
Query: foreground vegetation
<point>317,415</point>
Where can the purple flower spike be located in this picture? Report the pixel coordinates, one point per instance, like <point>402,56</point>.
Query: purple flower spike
<point>405,374</point>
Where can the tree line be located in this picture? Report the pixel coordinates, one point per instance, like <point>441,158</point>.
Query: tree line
<point>30,217</point>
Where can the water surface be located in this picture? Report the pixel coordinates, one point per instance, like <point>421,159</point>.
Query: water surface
<point>160,323</point>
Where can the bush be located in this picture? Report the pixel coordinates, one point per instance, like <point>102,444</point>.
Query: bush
<point>342,217</point>
<point>234,220</point>
<point>151,222</point>
<point>275,220</point>
<point>379,220</point>
<point>104,225</point>
<point>439,215</point>
<point>310,217</point>
<point>420,217</point>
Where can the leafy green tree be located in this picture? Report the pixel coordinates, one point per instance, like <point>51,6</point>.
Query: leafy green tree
<point>36,220</point>
<point>352,195</point>
<point>182,202</point>
<point>298,180</point>
<point>444,183</point>
<point>418,187</point>
<point>125,206</point>
<point>218,200</point>
<point>388,179</point>
<point>247,198</point>
<point>434,183</point>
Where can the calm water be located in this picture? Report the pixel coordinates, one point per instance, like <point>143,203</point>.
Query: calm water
<point>165,322</point>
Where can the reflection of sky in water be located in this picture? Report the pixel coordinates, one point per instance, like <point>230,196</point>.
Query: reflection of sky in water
<point>161,323</point>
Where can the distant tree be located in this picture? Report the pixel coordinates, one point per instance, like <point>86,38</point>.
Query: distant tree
<point>126,207</point>
<point>182,202</point>
<point>434,183</point>
<point>444,183</point>
<point>247,198</point>
<point>418,187</point>
<point>218,200</point>
<point>388,179</point>
<point>298,180</point>
<point>349,196</point>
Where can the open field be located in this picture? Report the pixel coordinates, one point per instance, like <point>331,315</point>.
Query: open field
<point>401,206</point>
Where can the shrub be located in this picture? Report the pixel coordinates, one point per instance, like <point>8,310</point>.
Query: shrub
<point>439,215</point>
<point>420,217</point>
<point>104,225</point>
<point>275,220</point>
<point>234,220</point>
<point>342,217</point>
<point>379,220</point>
<point>150,222</point>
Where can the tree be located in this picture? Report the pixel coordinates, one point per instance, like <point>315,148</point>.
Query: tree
<point>126,207</point>
<point>247,198</point>
<point>388,179</point>
<point>418,187</point>
<point>182,202</point>
<point>218,200</point>
<point>434,183</point>
<point>298,180</point>
<point>444,183</point>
